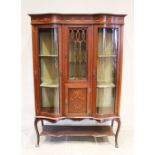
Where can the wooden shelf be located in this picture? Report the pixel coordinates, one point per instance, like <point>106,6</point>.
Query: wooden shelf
<point>105,85</point>
<point>49,85</point>
<point>53,55</point>
<point>106,56</point>
<point>95,131</point>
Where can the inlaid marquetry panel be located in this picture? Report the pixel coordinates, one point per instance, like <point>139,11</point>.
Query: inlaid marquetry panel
<point>77,100</point>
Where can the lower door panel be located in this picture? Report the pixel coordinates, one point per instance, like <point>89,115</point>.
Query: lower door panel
<point>77,100</point>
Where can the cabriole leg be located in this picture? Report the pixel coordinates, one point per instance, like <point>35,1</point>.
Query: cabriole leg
<point>117,131</point>
<point>42,123</point>
<point>112,123</point>
<point>37,132</point>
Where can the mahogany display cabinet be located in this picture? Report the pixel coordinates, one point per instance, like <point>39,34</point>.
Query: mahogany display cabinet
<point>77,62</point>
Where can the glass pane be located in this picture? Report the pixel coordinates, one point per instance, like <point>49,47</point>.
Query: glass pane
<point>105,100</point>
<point>48,41</point>
<point>49,78</point>
<point>106,69</point>
<point>107,41</point>
<point>50,100</point>
<point>49,71</point>
<point>77,54</point>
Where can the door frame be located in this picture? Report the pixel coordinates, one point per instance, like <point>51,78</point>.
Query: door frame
<point>118,70</point>
<point>77,83</point>
<point>36,68</point>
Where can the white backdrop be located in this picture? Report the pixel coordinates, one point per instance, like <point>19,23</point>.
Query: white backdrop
<point>80,6</point>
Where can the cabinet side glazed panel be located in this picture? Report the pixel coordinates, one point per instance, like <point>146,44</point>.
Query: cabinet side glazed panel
<point>36,69</point>
<point>107,66</point>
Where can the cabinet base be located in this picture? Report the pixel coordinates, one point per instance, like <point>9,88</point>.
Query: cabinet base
<point>94,131</point>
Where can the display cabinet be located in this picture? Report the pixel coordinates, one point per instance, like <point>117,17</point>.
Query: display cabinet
<point>77,61</point>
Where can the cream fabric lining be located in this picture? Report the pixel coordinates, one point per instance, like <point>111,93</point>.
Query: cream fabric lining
<point>50,99</point>
<point>49,69</point>
<point>105,70</point>
<point>49,42</point>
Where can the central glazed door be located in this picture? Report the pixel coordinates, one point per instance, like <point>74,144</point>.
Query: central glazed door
<point>77,45</point>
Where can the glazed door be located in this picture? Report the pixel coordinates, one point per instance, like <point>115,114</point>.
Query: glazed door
<point>47,55</point>
<point>77,68</point>
<point>106,66</point>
